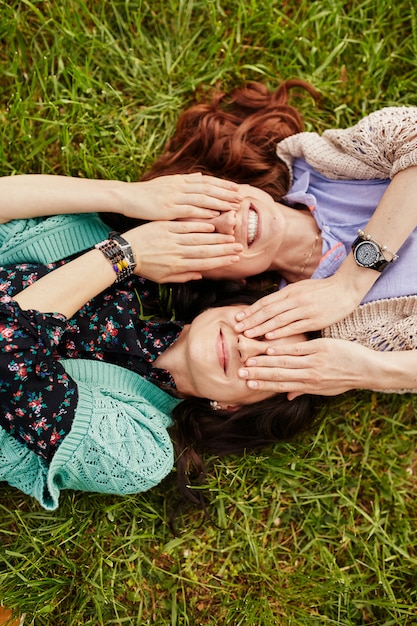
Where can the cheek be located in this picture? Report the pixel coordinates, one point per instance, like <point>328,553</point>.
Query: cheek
<point>240,394</point>
<point>251,264</point>
<point>246,266</point>
<point>231,272</point>
<point>259,395</point>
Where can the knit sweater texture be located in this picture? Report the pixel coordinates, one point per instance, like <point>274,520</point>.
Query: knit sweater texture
<point>119,441</point>
<point>377,147</point>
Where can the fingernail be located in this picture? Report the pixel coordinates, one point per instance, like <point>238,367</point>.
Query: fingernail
<point>251,362</point>
<point>239,326</point>
<point>253,384</point>
<point>240,316</point>
<point>243,373</point>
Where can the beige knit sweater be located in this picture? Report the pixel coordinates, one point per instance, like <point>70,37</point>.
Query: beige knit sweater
<point>379,146</point>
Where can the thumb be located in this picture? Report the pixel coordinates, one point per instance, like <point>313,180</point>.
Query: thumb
<point>291,395</point>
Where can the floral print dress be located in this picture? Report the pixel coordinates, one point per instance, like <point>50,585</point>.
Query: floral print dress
<point>38,398</point>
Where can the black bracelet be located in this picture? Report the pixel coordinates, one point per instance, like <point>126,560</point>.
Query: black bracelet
<point>120,254</point>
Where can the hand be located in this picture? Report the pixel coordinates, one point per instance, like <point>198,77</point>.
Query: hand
<point>301,307</point>
<point>325,367</point>
<point>180,196</point>
<point>180,251</point>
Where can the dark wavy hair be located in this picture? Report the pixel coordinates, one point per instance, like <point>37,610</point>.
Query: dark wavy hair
<point>198,430</point>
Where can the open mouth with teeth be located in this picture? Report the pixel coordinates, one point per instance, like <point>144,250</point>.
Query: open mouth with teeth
<point>252,225</point>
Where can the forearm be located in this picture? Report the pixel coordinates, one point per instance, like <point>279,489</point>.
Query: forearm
<point>68,288</point>
<point>396,215</point>
<point>163,198</point>
<point>36,195</point>
<point>392,222</point>
<point>394,371</point>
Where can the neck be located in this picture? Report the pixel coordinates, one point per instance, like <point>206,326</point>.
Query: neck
<point>300,252</point>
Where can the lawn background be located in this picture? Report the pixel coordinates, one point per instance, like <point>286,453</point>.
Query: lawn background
<point>322,531</point>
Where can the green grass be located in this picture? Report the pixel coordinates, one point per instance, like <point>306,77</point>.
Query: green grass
<point>322,531</point>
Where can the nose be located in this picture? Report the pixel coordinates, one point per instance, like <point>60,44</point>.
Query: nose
<point>249,347</point>
<point>225,223</point>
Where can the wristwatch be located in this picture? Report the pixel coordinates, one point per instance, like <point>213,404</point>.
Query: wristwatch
<point>125,247</point>
<point>368,253</point>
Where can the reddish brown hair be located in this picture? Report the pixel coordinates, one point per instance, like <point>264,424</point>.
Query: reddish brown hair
<point>234,136</point>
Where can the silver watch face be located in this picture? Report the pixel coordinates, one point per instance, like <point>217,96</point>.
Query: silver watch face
<point>128,254</point>
<point>366,253</point>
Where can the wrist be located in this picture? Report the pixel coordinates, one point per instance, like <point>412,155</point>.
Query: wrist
<point>355,280</point>
<point>369,253</point>
<point>130,199</point>
<point>120,255</point>
<point>112,196</point>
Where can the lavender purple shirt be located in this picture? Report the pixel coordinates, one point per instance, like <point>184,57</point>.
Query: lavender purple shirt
<point>340,207</point>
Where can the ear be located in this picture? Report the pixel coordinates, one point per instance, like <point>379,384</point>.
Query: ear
<point>229,407</point>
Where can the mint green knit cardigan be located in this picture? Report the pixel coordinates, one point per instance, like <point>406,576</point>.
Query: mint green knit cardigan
<point>119,442</point>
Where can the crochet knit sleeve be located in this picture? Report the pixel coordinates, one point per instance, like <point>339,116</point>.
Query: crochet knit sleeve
<point>377,147</point>
<point>47,240</point>
<point>118,444</point>
<point>20,467</point>
<point>382,325</point>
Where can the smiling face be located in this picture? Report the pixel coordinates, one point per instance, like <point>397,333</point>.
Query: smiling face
<point>214,352</point>
<point>259,226</point>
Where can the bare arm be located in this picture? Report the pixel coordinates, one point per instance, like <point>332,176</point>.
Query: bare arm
<point>69,287</point>
<point>164,252</point>
<point>166,197</point>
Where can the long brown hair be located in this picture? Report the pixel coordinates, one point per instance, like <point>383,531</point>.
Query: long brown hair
<point>234,136</point>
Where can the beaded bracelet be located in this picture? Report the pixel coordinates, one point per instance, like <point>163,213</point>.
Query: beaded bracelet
<point>367,237</point>
<point>120,254</point>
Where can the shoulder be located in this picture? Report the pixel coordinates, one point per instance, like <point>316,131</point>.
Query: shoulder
<point>46,240</point>
<point>120,441</point>
<point>385,140</point>
<point>392,120</point>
